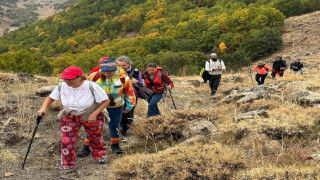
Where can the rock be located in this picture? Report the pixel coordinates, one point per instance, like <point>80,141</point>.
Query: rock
<point>191,140</point>
<point>234,92</point>
<point>199,127</point>
<point>248,97</point>
<point>227,89</point>
<point>313,88</point>
<point>252,115</point>
<point>310,100</point>
<point>253,140</point>
<point>45,91</point>
<point>218,96</point>
<point>245,89</point>
<point>234,78</point>
<point>307,98</point>
<point>271,147</point>
<point>195,83</point>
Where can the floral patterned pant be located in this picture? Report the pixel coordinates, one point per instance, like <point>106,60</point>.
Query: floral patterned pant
<point>70,127</point>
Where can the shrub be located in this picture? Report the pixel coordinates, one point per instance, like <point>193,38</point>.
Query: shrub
<point>261,44</point>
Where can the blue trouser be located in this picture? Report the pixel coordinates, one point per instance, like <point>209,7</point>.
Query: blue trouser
<point>115,115</point>
<point>153,109</point>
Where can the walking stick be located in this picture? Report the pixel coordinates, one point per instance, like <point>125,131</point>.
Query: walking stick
<point>39,118</point>
<point>250,72</point>
<point>174,105</point>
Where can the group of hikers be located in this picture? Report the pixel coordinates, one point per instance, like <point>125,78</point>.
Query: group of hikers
<point>214,67</point>
<point>109,95</point>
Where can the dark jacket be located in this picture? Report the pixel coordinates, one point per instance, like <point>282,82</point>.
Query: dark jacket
<point>296,66</point>
<point>279,64</point>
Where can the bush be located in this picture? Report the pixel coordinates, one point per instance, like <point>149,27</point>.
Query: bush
<point>288,7</point>
<point>236,60</point>
<point>180,63</point>
<point>261,44</point>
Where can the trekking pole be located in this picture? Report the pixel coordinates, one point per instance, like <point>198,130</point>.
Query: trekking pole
<point>250,72</point>
<point>39,118</point>
<point>174,105</point>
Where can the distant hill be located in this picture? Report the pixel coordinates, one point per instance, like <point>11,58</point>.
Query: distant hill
<point>176,34</point>
<point>15,13</point>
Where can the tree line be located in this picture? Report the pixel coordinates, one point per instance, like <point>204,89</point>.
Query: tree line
<point>175,34</point>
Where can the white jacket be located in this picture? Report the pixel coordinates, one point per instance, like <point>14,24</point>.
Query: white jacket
<point>210,65</point>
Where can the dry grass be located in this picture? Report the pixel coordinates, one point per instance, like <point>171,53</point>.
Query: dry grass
<point>197,161</point>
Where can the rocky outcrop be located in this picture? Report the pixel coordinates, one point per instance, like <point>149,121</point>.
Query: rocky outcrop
<point>252,115</point>
<point>197,127</point>
<point>306,98</point>
<point>45,91</point>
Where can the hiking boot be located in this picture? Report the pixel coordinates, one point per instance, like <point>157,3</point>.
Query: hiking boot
<point>101,161</point>
<point>116,149</point>
<point>84,152</point>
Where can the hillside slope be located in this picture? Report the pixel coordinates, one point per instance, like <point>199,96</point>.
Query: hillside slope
<point>272,144</point>
<point>301,38</point>
<point>43,9</point>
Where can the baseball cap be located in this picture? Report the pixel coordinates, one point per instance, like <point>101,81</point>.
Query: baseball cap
<point>71,73</point>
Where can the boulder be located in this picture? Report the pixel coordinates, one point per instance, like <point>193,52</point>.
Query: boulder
<point>304,97</point>
<point>252,115</point>
<point>227,89</point>
<point>193,139</point>
<point>234,78</point>
<point>245,89</point>
<point>45,91</point>
<point>248,97</point>
<point>271,147</point>
<point>198,127</point>
<point>253,140</point>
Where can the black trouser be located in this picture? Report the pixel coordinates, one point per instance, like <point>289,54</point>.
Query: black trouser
<point>214,81</point>
<point>260,78</point>
<point>127,119</point>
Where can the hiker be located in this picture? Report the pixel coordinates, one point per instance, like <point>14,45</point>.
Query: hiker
<point>278,67</point>
<point>80,107</point>
<point>296,67</point>
<point>215,67</point>
<point>262,72</point>
<point>96,69</point>
<point>118,87</point>
<point>156,80</point>
<point>204,74</point>
<point>135,76</point>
